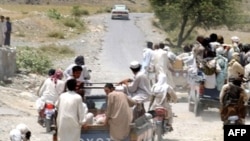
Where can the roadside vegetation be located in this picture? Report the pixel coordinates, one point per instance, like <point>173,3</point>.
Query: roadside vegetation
<point>38,60</point>
<point>182,19</point>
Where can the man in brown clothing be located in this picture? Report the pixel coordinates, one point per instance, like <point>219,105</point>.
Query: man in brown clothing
<point>198,50</point>
<point>118,109</point>
<point>233,100</point>
<point>235,69</point>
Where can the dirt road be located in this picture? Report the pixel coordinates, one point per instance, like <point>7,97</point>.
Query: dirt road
<point>108,55</point>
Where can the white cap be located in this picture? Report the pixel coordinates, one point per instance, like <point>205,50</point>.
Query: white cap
<point>119,88</point>
<point>22,128</point>
<point>135,65</point>
<point>235,39</point>
<point>167,48</point>
<point>15,135</point>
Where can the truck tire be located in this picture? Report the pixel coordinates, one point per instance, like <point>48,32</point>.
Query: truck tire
<point>198,108</point>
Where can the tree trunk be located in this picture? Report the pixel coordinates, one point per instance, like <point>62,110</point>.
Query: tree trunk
<point>185,33</point>
<point>182,31</point>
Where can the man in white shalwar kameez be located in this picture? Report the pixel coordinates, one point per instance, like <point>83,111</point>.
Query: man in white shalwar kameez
<point>49,92</point>
<point>71,116</point>
<point>234,48</point>
<point>139,87</point>
<point>162,63</point>
<point>147,65</point>
<point>85,75</point>
<point>163,94</point>
<point>52,87</point>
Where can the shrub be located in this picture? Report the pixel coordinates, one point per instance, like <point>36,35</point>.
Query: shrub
<point>54,14</point>
<point>38,60</point>
<point>77,12</point>
<point>74,23</point>
<point>33,60</point>
<point>56,34</point>
<point>103,10</point>
<point>69,22</point>
<point>20,34</point>
<point>55,50</point>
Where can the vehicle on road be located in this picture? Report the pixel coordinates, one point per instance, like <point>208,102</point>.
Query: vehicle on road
<point>120,11</point>
<point>49,116</point>
<point>141,129</point>
<point>161,123</point>
<point>201,98</point>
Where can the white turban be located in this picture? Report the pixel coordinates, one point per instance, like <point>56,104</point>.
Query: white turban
<point>235,39</point>
<point>22,128</point>
<point>119,88</point>
<point>15,135</point>
<point>135,65</point>
<point>167,48</point>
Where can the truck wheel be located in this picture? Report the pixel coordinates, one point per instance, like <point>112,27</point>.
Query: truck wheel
<point>198,108</point>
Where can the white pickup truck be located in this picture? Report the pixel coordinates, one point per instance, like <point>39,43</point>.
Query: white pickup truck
<point>120,12</point>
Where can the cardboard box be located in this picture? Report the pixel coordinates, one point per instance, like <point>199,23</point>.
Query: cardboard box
<point>178,65</point>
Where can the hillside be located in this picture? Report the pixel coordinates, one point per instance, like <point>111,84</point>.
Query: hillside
<point>31,21</point>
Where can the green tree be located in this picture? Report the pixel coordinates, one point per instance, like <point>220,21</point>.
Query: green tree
<point>184,16</point>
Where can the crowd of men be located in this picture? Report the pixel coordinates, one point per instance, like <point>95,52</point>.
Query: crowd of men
<point>5,31</point>
<point>225,66</point>
<point>124,102</point>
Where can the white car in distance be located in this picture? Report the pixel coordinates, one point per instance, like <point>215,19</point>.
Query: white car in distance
<point>120,11</point>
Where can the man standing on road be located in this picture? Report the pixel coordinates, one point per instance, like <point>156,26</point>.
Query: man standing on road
<point>118,109</point>
<point>147,65</point>
<point>8,32</point>
<point>70,114</point>
<point>2,30</point>
<point>171,57</point>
